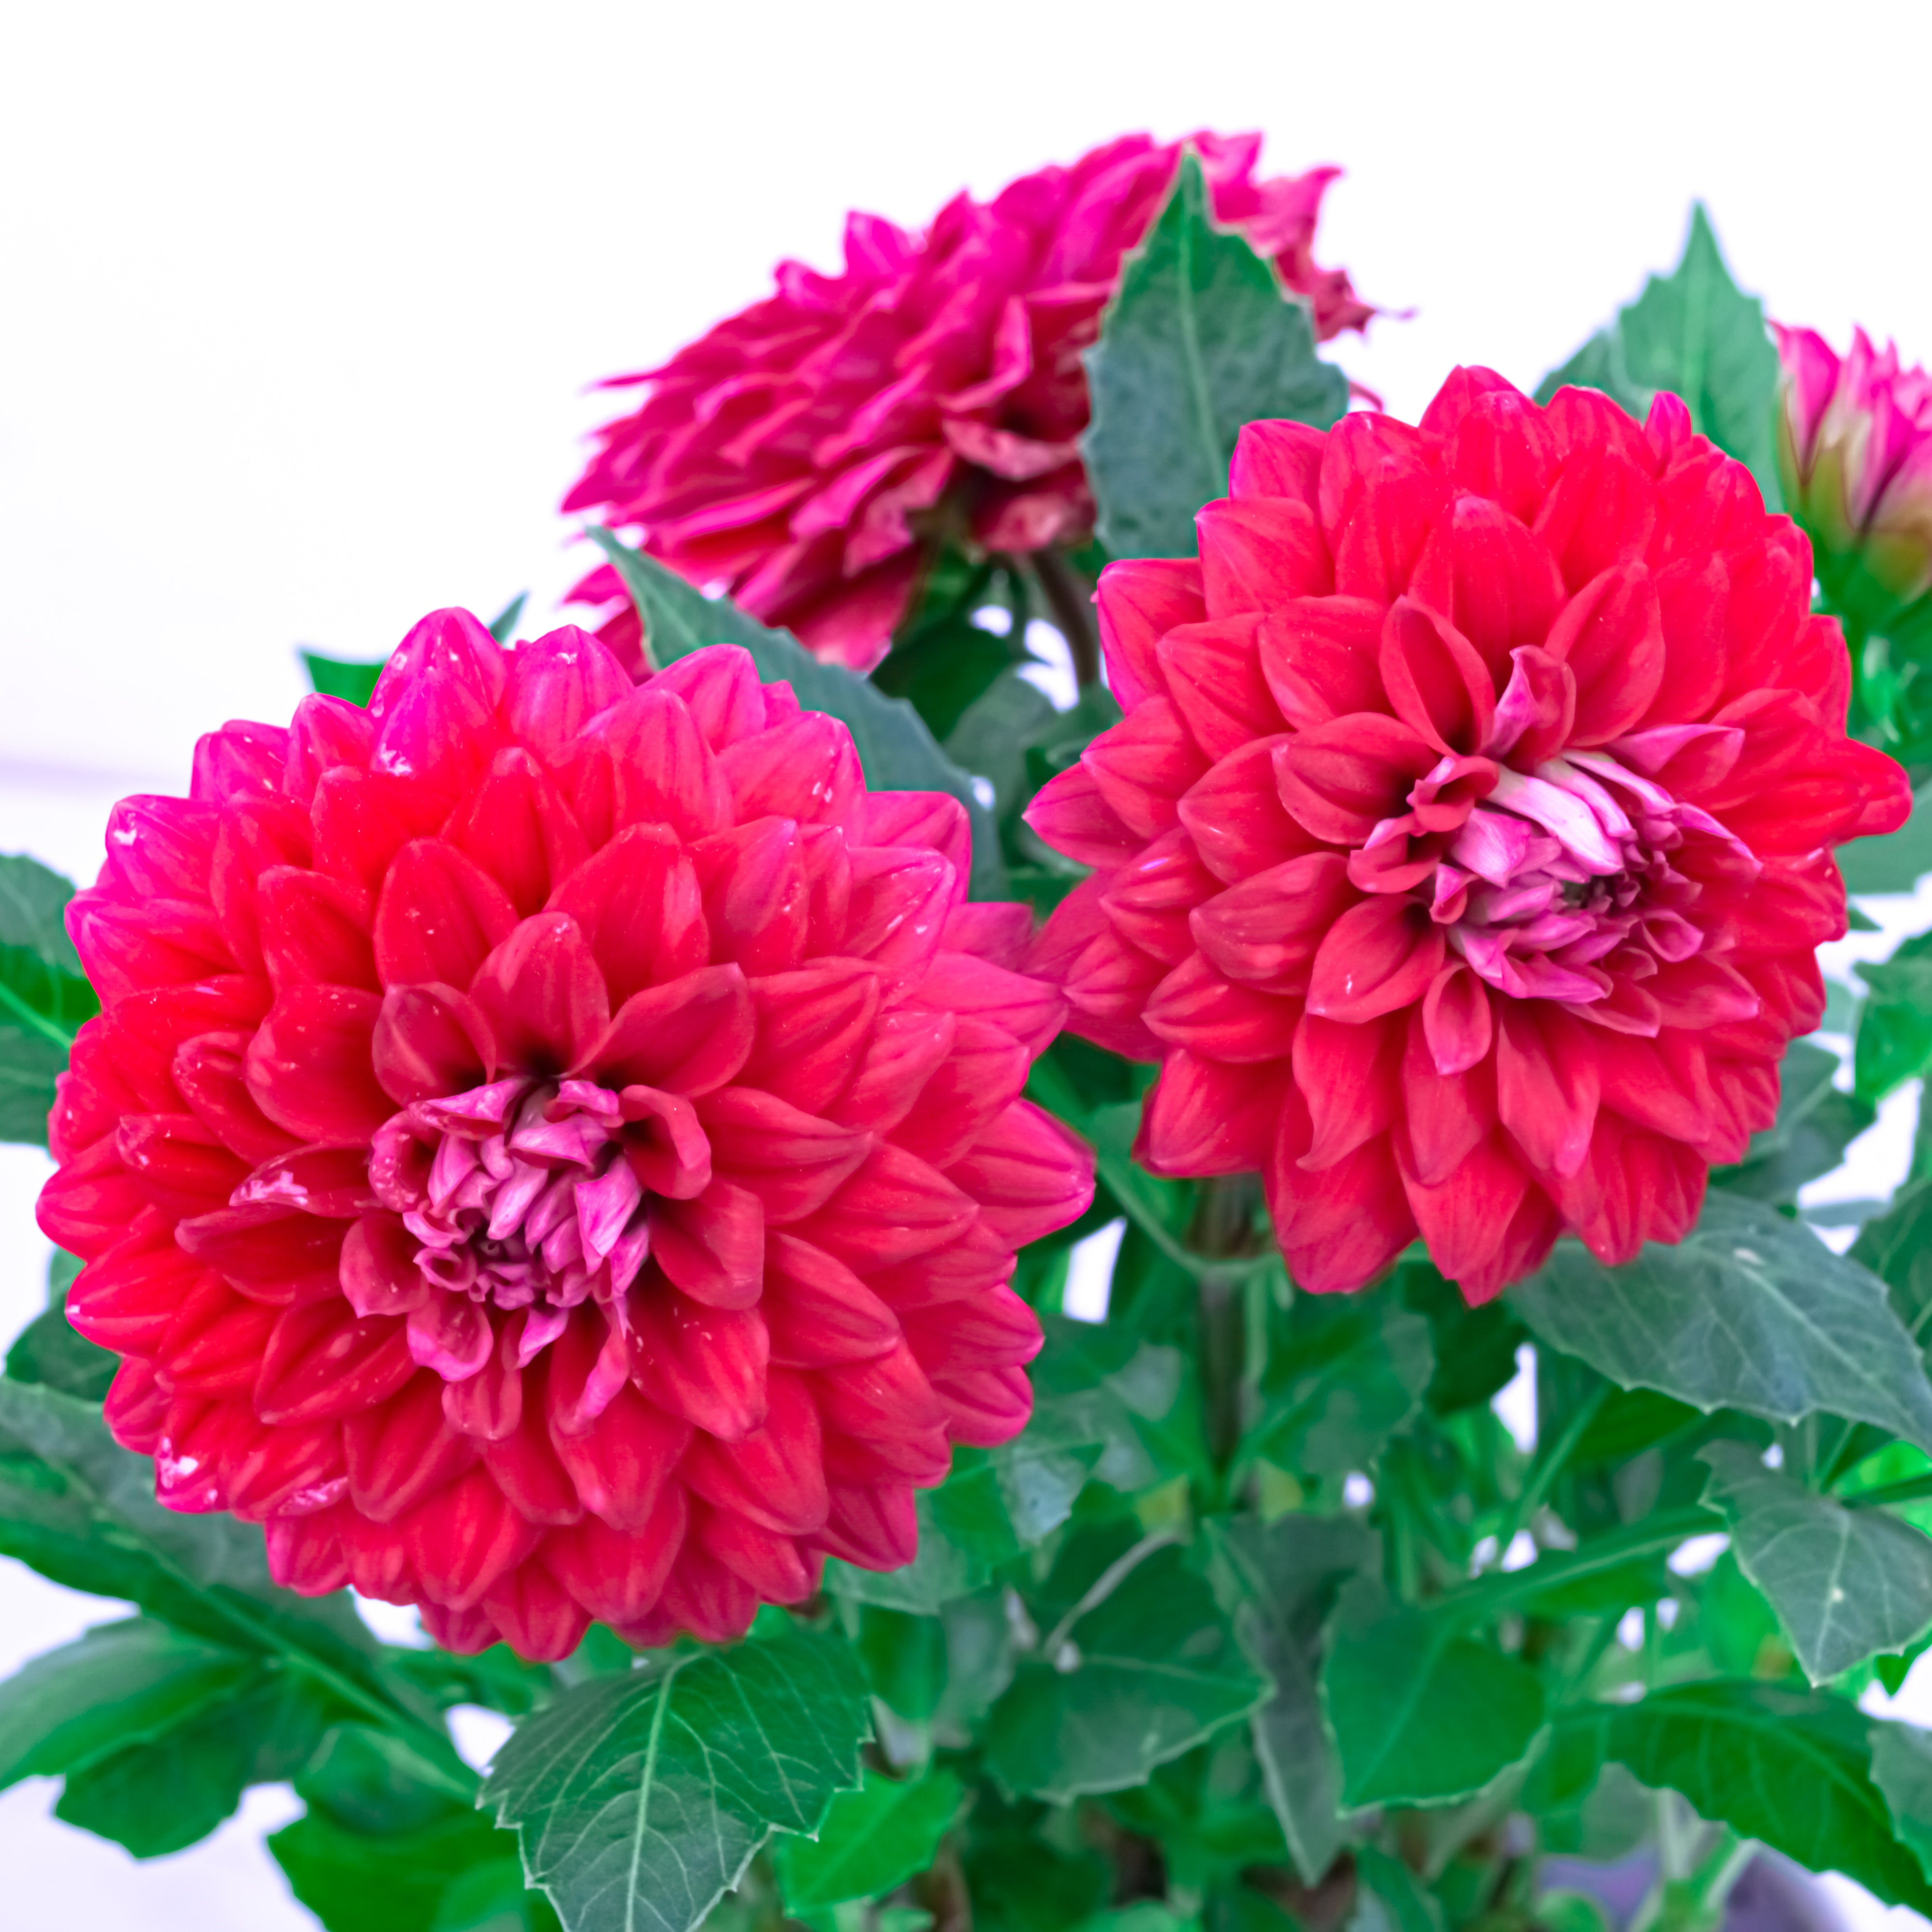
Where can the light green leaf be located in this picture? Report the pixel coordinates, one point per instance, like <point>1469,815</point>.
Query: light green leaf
<point>1420,1716</point>
<point>1751,1311</point>
<point>640,1799</point>
<point>872,1839</point>
<point>1695,333</point>
<point>1792,1769</point>
<point>1291,1571</point>
<point>503,625</point>
<point>395,1881</point>
<point>1901,1762</point>
<point>1004,1500</point>
<point>1845,1583</point>
<point>112,1686</point>
<point>1815,1124</point>
<point>1142,1670</point>
<point>898,752</point>
<point>1344,1373</point>
<point>1199,340</point>
<point>944,1569</point>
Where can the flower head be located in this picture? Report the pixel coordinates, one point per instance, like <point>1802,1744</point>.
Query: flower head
<point>1855,450</point>
<point>1462,851</point>
<point>791,450</point>
<point>553,1149</point>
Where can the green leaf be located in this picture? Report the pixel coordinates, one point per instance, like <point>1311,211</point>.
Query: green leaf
<point>392,1881</point>
<point>1697,335</point>
<point>79,1509</point>
<point>1000,1502</point>
<point>1894,1041</point>
<point>170,1792</point>
<point>1474,1348</point>
<point>1790,1769</point>
<point>1290,1572</point>
<point>896,750</point>
<point>503,625</point>
<point>1344,1373</point>
<point>48,1351</point>
<point>353,678</point>
<point>872,1839</point>
<point>44,996</point>
<point>1845,1583</point>
<point>1390,1898</point>
<point>1893,862</point>
<point>1142,1668</point>
<point>1815,1124</point>
<point>1901,1763</point>
<point>1421,1715</point>
<point>904,1657</point>
<point>1199,340</point>
<point>641,1799</point>
<point>942,1570</point>
<point>115,1684</point>
<point>1751,1311</point>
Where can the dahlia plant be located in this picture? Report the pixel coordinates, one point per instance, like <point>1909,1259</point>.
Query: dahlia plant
<point>1225,1306</point>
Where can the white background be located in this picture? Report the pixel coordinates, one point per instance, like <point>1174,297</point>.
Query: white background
<point>300,302</point>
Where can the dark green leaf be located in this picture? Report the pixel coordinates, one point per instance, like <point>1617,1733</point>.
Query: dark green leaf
<point>1815,1124</point>
<point>1420,1715</point>
<point>1199,340</point>
<point>641,1799</point>
<point>1209,1814</point>
<point>117,1684</point>
<point>1142,1668</point>
<point>343,677</point>
<point>1751,1311</point>
<point>1290,1572</point>
<point>1894,861</point>
<point>1893,1042</point>
<point>1697,335</point>
<point>1845,1583</point>
<point>1474,1347</point>
<point>895,748</point>
<point>872,1838</point>
<point>1901,1764</point>
<point>1790,1769</point>
<point>170,1792</point>
<point>1000,1502</point>
<point>1344,1373</point>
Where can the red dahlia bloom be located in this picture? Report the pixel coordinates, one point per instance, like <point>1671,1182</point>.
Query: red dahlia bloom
<point>1463,850</point>
<point>787,452</point>
<point>553,1149</point>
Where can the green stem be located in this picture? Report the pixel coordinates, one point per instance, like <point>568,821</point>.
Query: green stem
<point>1907,1491</point>
<point>1547,1467</point>
<point>1223,1229</point>
<point>51,1029</point>
<point>1489,1596</point>
<point>1072,612</point>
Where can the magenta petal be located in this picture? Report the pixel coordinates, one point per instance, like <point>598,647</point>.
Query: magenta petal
<point>451,1334</point>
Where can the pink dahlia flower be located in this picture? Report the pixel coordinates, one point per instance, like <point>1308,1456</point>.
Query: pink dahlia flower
<point>1463,848</point>
<point>792,452</point>
<point>1854,448</point>
<point>553,1149</point>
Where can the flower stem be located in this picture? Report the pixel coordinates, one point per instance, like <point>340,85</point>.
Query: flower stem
<point>1223,1229</point>
<point>1067,599</point>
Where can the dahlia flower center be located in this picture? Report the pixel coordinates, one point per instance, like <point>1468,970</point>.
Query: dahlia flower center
<point>1543,878</point>
<point>532,1194</point>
